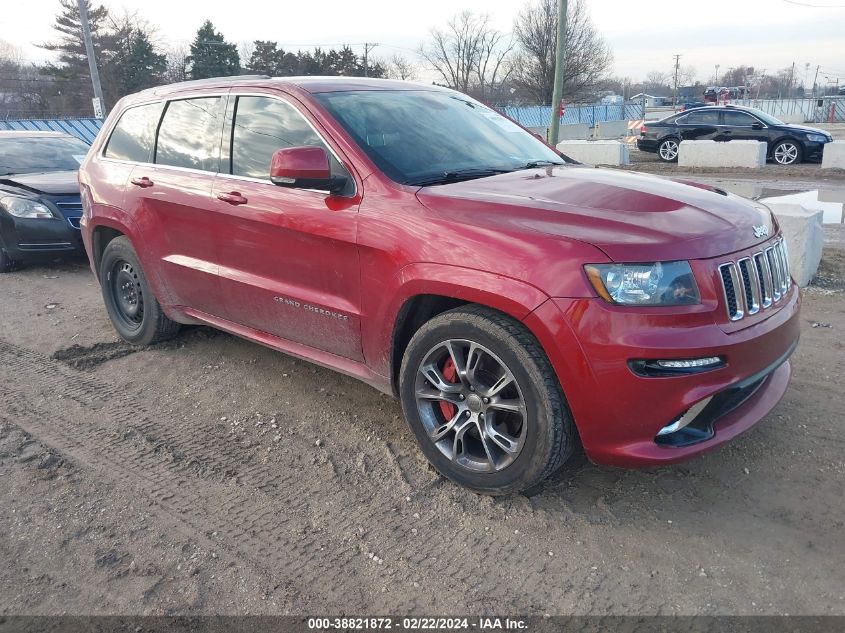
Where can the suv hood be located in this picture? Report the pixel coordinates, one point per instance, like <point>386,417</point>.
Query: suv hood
<point>51,183</point>
<point>630,216</point>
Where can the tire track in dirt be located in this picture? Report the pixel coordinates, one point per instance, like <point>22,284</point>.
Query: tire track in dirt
<point>330,538</point>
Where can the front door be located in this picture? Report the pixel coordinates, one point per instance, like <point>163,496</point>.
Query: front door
<point>288,257</point>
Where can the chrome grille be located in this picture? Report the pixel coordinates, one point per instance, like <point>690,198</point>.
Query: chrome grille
<point>755,282</point>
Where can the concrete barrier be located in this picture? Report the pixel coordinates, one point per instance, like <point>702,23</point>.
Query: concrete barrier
<point>804,235</point>
<point>610,129</point>
<point>834,155</point>
<point>713,154</point>
<point>596,152</point>
<point>574,131</point>
<point>798,117</point>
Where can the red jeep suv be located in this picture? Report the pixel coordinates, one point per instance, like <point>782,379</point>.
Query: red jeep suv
<point>414,238</point>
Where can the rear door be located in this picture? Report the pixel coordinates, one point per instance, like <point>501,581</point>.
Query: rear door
<point>288,257</point>
<point>699,125</point>
<point>172,204</point>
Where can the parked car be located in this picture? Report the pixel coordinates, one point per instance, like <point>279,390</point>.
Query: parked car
<point>413,238</point>
<point>787,143</point>
<point>39,196</point>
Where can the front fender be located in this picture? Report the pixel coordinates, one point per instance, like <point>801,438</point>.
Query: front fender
<point>510,296</point>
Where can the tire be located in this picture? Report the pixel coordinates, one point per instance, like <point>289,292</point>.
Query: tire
<point>526,411</point>
<point>132,308</point>
<point>7,264</point>
<point>787,152</point>
<point>667,151</point>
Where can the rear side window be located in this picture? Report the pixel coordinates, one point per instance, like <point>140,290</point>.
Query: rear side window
<point>189,135</point>
<point>705,117</point>
<point>134,135</point>
<point>262,126</point>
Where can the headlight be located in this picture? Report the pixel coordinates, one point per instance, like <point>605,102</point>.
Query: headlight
<point>657,284</point>
<point>816,138</point>
<point>25,208</point>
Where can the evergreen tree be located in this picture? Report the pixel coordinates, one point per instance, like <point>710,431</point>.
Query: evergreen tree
<point>71,90</point>
<point>211,55</point>
<point>138,65</point>
<point>264,59</point>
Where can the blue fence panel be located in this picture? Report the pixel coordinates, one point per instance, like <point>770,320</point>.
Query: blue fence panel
<point>83,129</point>
<point>539,116</point>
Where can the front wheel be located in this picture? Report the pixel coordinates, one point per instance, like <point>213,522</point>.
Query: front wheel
<point>787,153</point>
<point>668,150</point>
<point>7,264</point>
<point>484,402</point>
<point>132,308</point>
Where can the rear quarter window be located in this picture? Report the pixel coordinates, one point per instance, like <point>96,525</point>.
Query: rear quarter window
<point>133,137</point>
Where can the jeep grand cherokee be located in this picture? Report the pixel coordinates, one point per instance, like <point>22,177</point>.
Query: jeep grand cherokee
<point>414,238</point>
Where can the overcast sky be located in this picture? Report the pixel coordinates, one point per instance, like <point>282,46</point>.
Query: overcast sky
<point>643,35</point>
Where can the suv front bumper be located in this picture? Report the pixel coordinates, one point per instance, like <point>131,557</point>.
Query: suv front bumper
<point>619,413</point>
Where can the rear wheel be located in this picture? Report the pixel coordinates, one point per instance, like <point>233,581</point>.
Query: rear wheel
<point>132,308</point>
<point>484,403</point>
<point>786,153</point>
<point>668,150</point>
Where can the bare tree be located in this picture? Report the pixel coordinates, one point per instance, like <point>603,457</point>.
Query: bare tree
<point>400,67</point>
<point>657,79</point>
<point>177,64</point>
<point>469,54</point>
<point>588,58</point>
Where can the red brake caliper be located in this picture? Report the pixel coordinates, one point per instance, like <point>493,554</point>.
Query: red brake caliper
<point>450,373</point>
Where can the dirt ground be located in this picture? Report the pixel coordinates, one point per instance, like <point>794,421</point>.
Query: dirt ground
<point>211,475</point>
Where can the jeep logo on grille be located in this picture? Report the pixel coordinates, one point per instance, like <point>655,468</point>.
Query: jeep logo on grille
<point>761,231</point>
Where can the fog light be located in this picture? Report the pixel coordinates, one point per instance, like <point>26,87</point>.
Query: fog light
<point>691,363</point>
<point>686,419</point>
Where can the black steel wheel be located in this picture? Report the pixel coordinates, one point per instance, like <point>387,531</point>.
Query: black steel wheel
<point>132,308</point>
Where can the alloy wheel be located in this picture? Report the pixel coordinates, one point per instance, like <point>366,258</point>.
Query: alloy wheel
<point>786,153</point>
<point>669,150</point>
<point>471,406</point>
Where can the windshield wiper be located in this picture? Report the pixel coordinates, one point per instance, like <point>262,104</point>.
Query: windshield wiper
<point>458,175</point>
<point>539,163</point>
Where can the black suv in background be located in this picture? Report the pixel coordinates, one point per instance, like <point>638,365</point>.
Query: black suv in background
<point>40,205</point>
<point>787,144</point>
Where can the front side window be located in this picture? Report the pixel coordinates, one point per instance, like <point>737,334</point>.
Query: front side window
<point>263,125</point>
<point>422,137</point>
<point>189,135</point>
<point>134,135</point>
<point>739,119</point>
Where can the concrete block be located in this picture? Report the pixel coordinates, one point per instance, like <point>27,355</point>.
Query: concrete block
<point>610,129</point>
<point>713,154</point>
<point>834,155</point>
<point>804,233</point>
<point>542,131</point>
<point>798,117</point>
<point>596,152</point>
<point>574,131</point>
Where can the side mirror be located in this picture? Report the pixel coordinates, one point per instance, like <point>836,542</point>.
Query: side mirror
<point>756,126</point>
<point>304,168</point>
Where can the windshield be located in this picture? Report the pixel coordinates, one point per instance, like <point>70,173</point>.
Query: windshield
<point>33,154</point>
<point>425,137</point>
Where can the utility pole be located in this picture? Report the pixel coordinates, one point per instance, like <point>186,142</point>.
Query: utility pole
<point>368,46</point>
<point>557,89</point>
<point>99,103</point>
<point>717,76</point>
<point>815,81</point>
<point>675,90</point>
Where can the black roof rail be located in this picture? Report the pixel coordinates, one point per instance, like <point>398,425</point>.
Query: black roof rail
<point>209,81</point>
